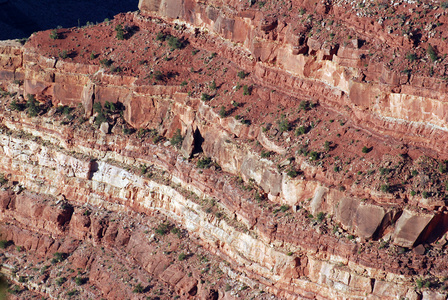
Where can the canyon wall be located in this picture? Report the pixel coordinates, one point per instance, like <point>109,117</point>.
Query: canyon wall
<point>282,56</point>
<point>310,236</point>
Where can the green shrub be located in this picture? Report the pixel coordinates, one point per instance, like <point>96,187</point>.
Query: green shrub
<point>138,289</point>
<point>302,130</point>
<point>60,281</point>
<point>222,112</point>
<point>314,155</point>
<point>97,107</point>
<point>206,97</point>
<point>176,230</point>
<point>212,85</point>
<point>265,154</point>
<point>143,169</point>
<point>384,171</point>
<point>158,76</point>
<point>411,57</point>
<point>419,283</point>
<point>320,216</point>
<point>432,53</point>
<point>242,74</point>
<point>109,107</point>
<point>413,193</point>
<point>33,106</point>
<point>183,83</point>
<point>117,69</point>
<point>174,42</point>
<point>426,194</point>
<point>14,290</point>
<point>442,167</point>
<point>177,139</point>
<point>14,105</point>
<point>80,280</point>
<point>59,256</point>
<point>63,109</point>
<point>120,32</point>
<point>292,173</point>
<point>182,256</point>
<point>3,179</point>
<point>4,244</point>
<point>157,138</point>
<point>73,292</point>
<point>258,197</point>
<point>385,188</point>
<point>246,90</point>
<point>54,34</point>
<point>237,86</point>
<point>106,62</point>
<point>162,229</point>
<point>305,105</point>
<point>63,54</point>
<point>160,36</point>
<point>204,163</point>
<point>284,208</point>
<point>283,124</point>
<point>100,118</point>
<point>366,149</point>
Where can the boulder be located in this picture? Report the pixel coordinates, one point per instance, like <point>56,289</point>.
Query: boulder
<point>104,128</point>
<point>409,227</point>
<point>367,220</point>
<point>346,210</point>
<point>188,143</point>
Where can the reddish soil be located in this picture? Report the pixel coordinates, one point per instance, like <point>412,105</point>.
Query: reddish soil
<point>386,165</point>
<point>151,258</point>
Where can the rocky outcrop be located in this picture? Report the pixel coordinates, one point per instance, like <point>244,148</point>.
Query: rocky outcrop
<point>76,243</point>
<point>91,179</point>
<point>386,101</point>
<point>295,230</point>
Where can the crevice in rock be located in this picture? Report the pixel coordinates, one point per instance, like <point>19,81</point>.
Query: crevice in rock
<point>93,169</point>
<point>198,140</point>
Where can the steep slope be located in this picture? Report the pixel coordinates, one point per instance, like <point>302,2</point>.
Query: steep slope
<point>311,166</point>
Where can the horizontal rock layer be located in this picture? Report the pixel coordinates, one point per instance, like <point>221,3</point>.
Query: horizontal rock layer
<point>289,256</point>
<point>317,262</point>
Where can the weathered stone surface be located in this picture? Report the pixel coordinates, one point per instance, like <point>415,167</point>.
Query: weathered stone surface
<point>409,227</point>
<point>387,290</point>
<point>346,211</point>
<point>104,127</point>
<point>328,75</point>
<point>188,143</point>
<point>367,219</point>
<point>317,200</point>
<point>87,98</point>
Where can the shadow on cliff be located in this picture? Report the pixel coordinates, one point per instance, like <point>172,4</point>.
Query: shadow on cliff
<point>20,18</point>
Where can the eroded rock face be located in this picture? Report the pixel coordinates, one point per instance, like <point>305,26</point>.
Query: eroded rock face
<point>367,220</point>
<point>289,250</point>
<point>113,187</point>
<point>409,227</point>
